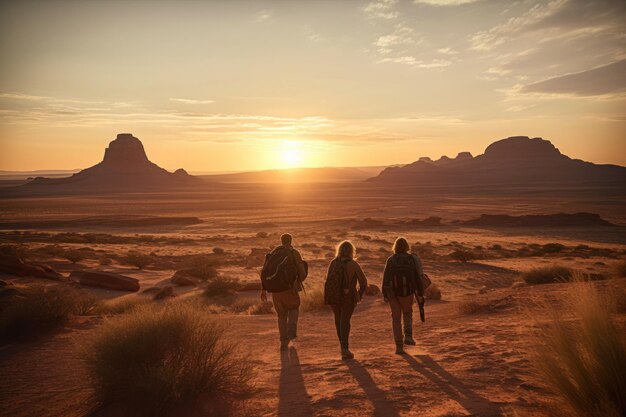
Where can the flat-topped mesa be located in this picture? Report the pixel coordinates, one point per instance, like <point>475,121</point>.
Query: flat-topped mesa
<point>463,156</point>
<point>125,152</point>
<point>522,147</point>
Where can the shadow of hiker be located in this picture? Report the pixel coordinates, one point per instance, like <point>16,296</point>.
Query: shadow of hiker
<point>293,398</point>
<point>453,387</point>
<point>382,406</point>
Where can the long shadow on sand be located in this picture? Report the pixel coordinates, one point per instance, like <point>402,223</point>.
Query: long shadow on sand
<point>382,406</point>
<point>472,402</point>
<point>293,398</point>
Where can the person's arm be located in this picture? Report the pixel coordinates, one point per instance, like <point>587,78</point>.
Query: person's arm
<point>386,286</point>
<point>299,264</point>
<point>360,276</point>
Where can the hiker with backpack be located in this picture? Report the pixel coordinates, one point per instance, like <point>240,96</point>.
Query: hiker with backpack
<point>282,275</point>
<point>341,294</point>
<point>403,281</point>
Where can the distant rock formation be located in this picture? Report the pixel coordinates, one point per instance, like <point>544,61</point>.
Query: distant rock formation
<point>125,166</point>
<point>514,161</point>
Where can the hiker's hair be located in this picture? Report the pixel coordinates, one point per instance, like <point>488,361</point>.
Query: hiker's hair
<point>401,245</point>
<point>286,239</point>
<point>345,250</point>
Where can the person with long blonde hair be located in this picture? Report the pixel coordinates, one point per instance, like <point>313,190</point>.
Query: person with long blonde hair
<point>340,291</point>
<point>403,280</point>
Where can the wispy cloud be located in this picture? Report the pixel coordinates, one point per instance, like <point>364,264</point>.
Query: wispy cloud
<point>382,9</point>
<point>263,16</point>
<point>444,2</point>
<point>191,101</point>
<point>417,63</point>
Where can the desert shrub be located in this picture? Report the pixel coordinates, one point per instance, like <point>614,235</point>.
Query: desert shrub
<point>241,306</point>
<point>583,360</point>
<point>138,260</point>
<point>105,261</point>
<point>313,298</point>
<point>433,292</point>
<point>547,275</point>
<point>222,287</point>
<point>52,250</point>
<point>173,360</point>
<point>74,255</point>
<point>263,307</point>
<point>262,235</point>
<point>471,307</point>
<point>218,251</point>
<point>20,251</point>
<point>620,269</point>
<point>463,255</point>
<point>118,306</point>
<point>203,267</point>
<point>496,247</point>
<point>553,248</point>
<point>39,308</point>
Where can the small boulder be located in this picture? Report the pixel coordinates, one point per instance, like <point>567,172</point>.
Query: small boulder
<point>107,280</point>
<point>15,266</point>
<point>183,278</point>
<point>165,292</point>
<point>372,290</point>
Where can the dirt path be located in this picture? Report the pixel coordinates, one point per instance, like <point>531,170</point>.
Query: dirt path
<point>461,366</point>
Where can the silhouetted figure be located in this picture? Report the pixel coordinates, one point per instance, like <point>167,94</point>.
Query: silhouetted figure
<point>282,275</point>
<point>403,279</point>
<point>341,294</point>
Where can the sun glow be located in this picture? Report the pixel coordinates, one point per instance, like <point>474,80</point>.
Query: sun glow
<point>291,154</point>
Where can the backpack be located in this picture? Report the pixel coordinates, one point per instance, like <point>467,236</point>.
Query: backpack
<point>403,275</point>
<point>279,271</point>
<point>333,287</point>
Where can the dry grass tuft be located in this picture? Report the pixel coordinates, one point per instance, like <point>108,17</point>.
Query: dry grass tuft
<point>433,292</point>
<point>173,360</point>
<point>203,267</point>
<point>547,275</point>
<point>138,260</point>
<point>263,307</point>
<point>37,309</point>
<point>118,306</point>
<point>222,287</point>
<point>313,298</point>
<point>581,353</point>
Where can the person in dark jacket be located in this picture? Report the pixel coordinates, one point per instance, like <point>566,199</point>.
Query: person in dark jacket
<point>403,280</point>
<point>352,274</point>
<point>287,302</point>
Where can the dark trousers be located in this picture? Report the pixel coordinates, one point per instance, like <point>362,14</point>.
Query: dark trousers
<point>343,315</point>
<point>287,306</point>
<point>401,310</point>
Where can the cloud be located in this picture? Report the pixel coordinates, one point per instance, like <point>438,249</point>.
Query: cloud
<point>417,63</point>
<point>447,51</point>
<point>604,80</point>
<point>21,96</point>
<point>263,16</point>
<point>191,101</point>
<point>444,2</point>
<point>382,9</point>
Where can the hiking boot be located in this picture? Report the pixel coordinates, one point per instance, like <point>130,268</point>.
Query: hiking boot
<point>400,350</point>
<point>408,340</point>
<point>346,354</point>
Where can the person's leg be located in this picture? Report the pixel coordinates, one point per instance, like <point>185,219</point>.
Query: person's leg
<point>406,303</point>
<point>293,313</point>
<point>337,313</point>
<point>346,317</point>
<point>396,323</point>
<point>281,312</point>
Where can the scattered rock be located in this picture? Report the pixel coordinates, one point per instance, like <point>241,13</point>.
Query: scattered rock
<point>184,278</point>
<point>107,280</point>
<point>15,266</point>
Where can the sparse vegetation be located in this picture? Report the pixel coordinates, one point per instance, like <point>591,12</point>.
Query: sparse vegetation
<point>222,287</point>
<point>173,360</point>
<point>433,292</point>
<point>219,251</point>
<point>241,306</point>
<point>105,261</point>
<point>73,255</point>
<point>463,255</point>
<point>547,275</point>
<point>118,306</point>
<point>21,251</point>
<point>36,309</point>
<point>263,307</point>
<point>138,260</point>
<point>262,235</point>
<point>313,298</point>
<point>583,360</point>
<point>203,267</point>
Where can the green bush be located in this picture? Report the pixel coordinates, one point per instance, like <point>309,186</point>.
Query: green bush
<point>583,360</point>
<point>37,309</point>
<point>168,361</point>
<point>547,275</point>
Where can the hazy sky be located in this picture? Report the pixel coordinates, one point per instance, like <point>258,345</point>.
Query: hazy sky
<point>234,85</point>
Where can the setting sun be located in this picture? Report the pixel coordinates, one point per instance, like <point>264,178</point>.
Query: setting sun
<point>291,155</point>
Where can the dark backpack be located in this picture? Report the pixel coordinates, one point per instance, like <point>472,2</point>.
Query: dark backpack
<point>403,275</point>
<point>279,271</point>
<point>333,287</point>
